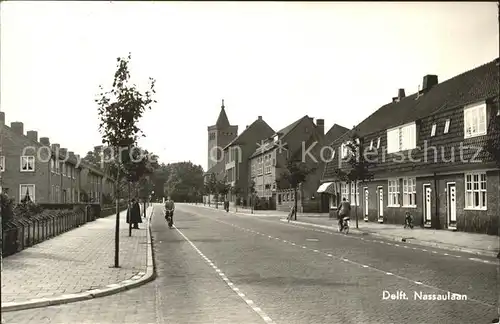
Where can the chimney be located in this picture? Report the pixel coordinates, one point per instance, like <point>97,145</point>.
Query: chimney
<point>55,149</point>
<point>430,80</point>
<point>32,135</point>
<point>17,127</point>
<point>320,124</point>
<point>260,117</point>
<point>45,141</point>
<point>64,152</point>
<point>2,118</point>
<point>401,94</point>
<point>394,99</point>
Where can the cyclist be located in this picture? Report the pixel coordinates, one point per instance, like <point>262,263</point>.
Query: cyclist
<point>344,210</point>
<point>170,207</point>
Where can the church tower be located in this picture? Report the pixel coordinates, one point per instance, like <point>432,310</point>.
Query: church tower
<point>219,135</point>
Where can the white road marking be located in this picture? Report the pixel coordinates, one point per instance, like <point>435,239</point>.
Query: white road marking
<point>397,276</point>
<point>483,261</point>
<point>256,309</point>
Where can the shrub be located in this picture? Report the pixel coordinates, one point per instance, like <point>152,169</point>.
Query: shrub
<point>7,205</point>
<point>26,209</point>
<point>107,199</point>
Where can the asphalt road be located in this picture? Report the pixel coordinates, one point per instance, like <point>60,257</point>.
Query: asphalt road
<point>222,268</point>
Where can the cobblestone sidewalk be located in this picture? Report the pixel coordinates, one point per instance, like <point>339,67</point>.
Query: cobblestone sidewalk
<point>73,262</point>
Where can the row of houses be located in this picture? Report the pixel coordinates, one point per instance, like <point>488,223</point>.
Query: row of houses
<point>32,167</point>
<point>255,160</point>
<point>426,152</point>
<point>427,156</point>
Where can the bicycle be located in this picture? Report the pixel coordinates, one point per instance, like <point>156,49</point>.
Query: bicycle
<point>169,215</point>
<point>345,225</point>
<point>291,214</point>
<point>408,220</point>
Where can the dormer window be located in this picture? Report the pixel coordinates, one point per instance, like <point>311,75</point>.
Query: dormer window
<point>402,138</point>
<point>446,127</point>
<point>433,131</point>
<point>475,120</point>
<point>378,143</point>
<point>371,145</point>
<point>344,150</point>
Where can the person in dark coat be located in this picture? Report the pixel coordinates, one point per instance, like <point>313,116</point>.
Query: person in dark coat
<point>134,214</point>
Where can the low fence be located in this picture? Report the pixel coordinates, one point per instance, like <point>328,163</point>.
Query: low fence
<point>23,232</point>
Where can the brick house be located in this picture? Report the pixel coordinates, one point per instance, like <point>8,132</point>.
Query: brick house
<point>428,156</point>
<point>270,159</point>
<point>237,154</point>
<point>219,136</point>
<point>311,199</point>
<point>45,172</point>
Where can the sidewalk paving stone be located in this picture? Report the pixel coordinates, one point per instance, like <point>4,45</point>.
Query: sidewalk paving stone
<point>77,262</point>
<point>480,244</point>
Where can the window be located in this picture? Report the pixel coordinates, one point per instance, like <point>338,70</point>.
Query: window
<point>354,194</point>
<point>475,121</point>
<point>344,191</point>
<point>433,131</point>
<point>378,143</point>
<point>64,169</point>
<point>345,150</point>
<point>393,193</point>
<point>27,163</point>
<point>402,138</point>
<point>52,166</point>
<point>409,192</point>
<point>475,191</point>
<point>58,166</point>
<point>446,127</point>
<point>2,163</point>
<point>27,192</point>
<point>371,145</point>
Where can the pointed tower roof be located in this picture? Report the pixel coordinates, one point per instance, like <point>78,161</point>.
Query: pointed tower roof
<point>222,121</point>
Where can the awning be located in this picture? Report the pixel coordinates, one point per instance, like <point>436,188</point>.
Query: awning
<point>327,187</point>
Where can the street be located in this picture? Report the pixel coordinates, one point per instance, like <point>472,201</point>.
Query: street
<point>217,267</point>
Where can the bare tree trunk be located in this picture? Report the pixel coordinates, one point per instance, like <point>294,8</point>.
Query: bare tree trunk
<point>252,203</point>
<point>117,225</point>
<point>295,203</point>
<point>356,201</point>
<point>129,212</point>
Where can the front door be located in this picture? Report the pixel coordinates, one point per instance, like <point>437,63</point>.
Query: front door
<point>452,206</point>
<point>366,204</point>
<point>427,204</point>
<point>380,205</point>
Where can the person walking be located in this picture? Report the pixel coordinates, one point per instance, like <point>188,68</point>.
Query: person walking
<point>134,214</point>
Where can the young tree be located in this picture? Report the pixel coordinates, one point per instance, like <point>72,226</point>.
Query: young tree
<point>252,191</point>
<point>210,186</point>
<point>222,189</point>
<point>120,110</point>
<point>357,170</point>
<point>295,174</point>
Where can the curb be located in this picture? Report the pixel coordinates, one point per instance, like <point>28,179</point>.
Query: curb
<point>237,212</point>
<point>443,246</point>
<point>139,279</point>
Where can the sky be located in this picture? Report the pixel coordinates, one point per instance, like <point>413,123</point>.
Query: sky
<point>336,61</point>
